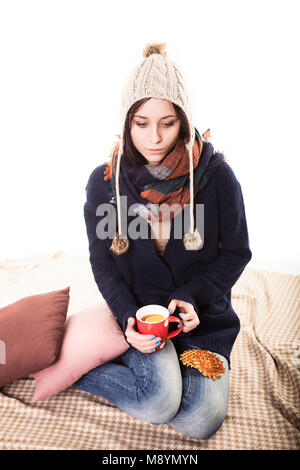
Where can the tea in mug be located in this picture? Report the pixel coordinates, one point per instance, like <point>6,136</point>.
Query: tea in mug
<point>152,318</point>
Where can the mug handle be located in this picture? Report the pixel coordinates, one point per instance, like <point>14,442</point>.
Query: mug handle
<point>176,332</point>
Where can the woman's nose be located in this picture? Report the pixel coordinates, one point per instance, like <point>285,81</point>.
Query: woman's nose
<point>155,136</point>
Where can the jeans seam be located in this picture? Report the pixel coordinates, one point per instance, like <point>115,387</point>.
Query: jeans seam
<point>143,383</point>
<point>110,379</point>
<point>190,388</point>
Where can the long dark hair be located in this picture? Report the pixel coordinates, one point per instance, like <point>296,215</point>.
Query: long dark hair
<point>132,156</point>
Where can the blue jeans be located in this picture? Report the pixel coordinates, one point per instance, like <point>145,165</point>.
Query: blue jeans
<point>159,389</point>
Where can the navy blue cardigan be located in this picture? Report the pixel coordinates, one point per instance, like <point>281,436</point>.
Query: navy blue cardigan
<point>203,278</point>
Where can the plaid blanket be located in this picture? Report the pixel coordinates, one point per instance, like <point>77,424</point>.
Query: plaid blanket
<point>263,412</point>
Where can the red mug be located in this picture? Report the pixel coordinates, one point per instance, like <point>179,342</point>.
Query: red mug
<point>155,325</point>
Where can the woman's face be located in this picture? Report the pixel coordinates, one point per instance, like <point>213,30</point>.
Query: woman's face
<point>155,126</point>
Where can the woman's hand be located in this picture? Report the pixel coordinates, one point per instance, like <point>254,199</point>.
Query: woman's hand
<point>143,343</point>
<point>187,314</point>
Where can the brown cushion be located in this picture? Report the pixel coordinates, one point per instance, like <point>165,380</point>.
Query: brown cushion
<point>31,333</point>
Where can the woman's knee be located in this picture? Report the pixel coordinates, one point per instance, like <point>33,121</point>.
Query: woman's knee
<point>201,425</point>
<point>161,410</point>
<point>204,404</point>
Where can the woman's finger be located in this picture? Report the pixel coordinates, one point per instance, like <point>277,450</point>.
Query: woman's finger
<point>147,340</point>
<point>188,317</point>
<point>144,347</point>
<point>143,341</point>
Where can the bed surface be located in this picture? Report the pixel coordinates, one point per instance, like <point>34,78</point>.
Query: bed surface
<point>264,408</point>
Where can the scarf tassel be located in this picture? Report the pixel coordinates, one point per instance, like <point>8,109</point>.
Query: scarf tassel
<point>192,241</point>
<point>119,245</point>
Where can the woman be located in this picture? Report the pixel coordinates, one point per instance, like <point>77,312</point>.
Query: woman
<point>161,163</point>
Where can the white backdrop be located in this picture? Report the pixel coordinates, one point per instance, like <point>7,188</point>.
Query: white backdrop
<point>63,64</point>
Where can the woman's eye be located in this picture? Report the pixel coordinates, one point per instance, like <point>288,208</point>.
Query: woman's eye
<point>166,124</point>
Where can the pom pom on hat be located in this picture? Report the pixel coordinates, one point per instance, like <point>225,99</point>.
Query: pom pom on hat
<point>155,48</point>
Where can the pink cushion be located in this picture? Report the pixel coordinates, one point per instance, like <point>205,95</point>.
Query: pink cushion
<point>92,337</point>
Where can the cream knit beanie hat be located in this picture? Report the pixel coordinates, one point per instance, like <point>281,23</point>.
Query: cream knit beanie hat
<point>156,76</point>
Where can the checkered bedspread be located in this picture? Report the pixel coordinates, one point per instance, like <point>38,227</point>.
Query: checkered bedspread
<point>264,407</point>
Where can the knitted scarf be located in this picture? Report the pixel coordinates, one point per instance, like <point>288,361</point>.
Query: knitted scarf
<point>166,183</point>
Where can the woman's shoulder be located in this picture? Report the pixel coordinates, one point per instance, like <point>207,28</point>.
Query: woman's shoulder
<point>225,177</point>
<point>97,188</point>
<point>218,173</point>
<point>97,173</point>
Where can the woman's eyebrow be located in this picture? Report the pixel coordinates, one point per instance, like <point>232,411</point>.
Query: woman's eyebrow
<point>144,117</point>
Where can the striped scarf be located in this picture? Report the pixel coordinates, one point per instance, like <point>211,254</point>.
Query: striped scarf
<point>166,184</point>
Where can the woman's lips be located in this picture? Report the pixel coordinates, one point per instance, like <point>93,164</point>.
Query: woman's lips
<point>155,151</point>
